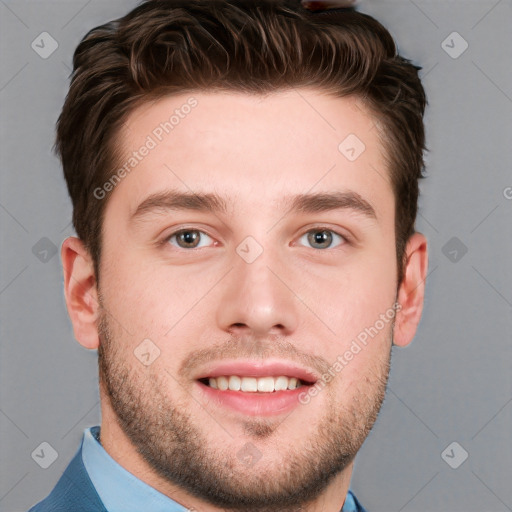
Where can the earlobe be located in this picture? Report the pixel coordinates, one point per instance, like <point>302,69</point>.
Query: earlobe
<point>80,291</point>
<point>411,292</point>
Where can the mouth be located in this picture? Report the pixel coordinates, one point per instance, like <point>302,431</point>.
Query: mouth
<point>255,389</point>
<point>243,384</point>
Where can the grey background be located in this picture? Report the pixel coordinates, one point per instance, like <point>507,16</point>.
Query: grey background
<point>453,384</point>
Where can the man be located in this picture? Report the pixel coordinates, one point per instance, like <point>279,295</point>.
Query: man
<point>244,178</point>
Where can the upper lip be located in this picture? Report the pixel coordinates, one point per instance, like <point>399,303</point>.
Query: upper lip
<point>252,368</point>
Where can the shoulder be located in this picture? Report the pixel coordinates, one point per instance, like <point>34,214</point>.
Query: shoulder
<point>352,504</point>
<point>74,492</point>
<point>359,507</point>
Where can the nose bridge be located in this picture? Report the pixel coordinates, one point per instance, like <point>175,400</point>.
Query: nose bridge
<point>256,299</point>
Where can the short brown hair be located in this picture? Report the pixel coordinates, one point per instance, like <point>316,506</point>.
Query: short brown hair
<point>172,46</point>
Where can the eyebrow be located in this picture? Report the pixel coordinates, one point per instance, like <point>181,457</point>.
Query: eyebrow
<point>328,201</point>
<point>175,200</point>
<point>210,202</point>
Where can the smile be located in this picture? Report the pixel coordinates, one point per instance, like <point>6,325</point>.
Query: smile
<point>254,388</point>
<point>254,384</point>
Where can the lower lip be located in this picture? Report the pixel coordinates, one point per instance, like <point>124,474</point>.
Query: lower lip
<point>256,403</point>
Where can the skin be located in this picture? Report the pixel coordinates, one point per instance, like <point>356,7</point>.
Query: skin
<point>296,301</point>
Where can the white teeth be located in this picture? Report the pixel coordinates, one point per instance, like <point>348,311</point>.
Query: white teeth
<point>249,384</point>
<point>234,383</point>
<point>281,383</point>
<point>222,383</point>
<point>266,384</point>
<point>253,384</point>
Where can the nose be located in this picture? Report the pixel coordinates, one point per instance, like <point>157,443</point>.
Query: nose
<point>257,300</point>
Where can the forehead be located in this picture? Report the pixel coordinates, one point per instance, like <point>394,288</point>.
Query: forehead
<point>251,148</point>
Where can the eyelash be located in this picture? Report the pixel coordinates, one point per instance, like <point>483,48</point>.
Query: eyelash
<point>319,229</point>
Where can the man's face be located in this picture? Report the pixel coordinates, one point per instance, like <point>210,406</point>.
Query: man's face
<point>258,289</point>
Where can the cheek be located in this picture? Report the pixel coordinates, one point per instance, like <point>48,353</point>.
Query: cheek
<point>355,311</point>
<point>361,364</point>
<point>360,290</point>
<point>132,295</point>
<point>170,306</point>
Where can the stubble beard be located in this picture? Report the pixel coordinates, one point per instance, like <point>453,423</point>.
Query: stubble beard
<point>175,446</point>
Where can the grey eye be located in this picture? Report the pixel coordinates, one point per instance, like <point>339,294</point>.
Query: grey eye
<point>322,238</point>
<point>189,238</point>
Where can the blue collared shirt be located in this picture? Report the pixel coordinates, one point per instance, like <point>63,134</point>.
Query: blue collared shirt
<point>120,491</point>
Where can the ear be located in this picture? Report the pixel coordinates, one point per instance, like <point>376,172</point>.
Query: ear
<point>80,291</point>
<point>411,292</point>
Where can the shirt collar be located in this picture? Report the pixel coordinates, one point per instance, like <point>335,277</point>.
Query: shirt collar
<point>118,489</point>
